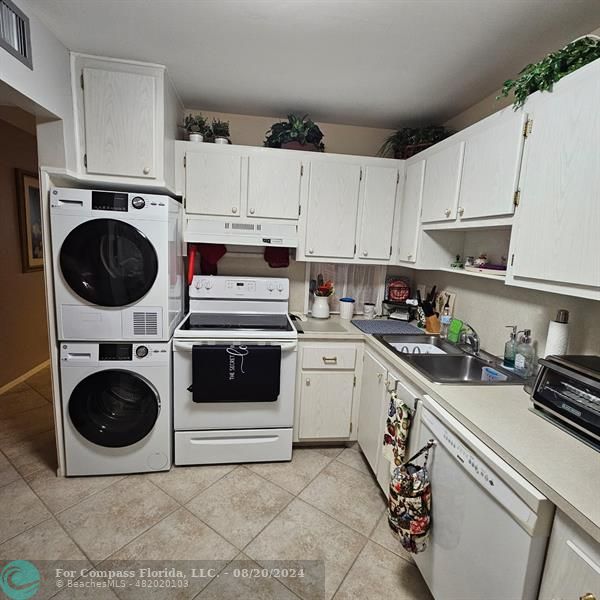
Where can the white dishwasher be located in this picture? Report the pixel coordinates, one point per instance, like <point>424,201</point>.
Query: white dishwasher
<point>490,526</point>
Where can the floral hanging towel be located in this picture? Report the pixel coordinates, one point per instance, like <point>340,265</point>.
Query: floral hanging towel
<point>396,431</point>
<point>409,503</point>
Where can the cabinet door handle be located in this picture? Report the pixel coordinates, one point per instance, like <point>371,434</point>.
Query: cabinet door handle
<point>447,212</point>
<point>307,381</point>
<point>588,596</point>
<point>310,250</point>
<point>233,209</point>
<point>388,388</point>
<point>365,253</point>
<point>251,211</point>
<point>461,211</point>
<point>409,256</point>
<point>330,360</point>
<point>146,170</point>
<point>379,377</point>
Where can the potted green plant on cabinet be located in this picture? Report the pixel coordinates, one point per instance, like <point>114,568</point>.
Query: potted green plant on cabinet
<point>297,133</point>
<point>541,76</point>
<point>218,132</point>
<point>408,141</point>
<point>196,127</point>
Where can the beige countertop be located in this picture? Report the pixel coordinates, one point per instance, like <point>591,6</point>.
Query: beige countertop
<point>564,469</point>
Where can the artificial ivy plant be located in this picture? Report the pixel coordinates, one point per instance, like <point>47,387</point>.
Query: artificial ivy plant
<point>541,76</point>
<point>408,141</point>
<point>302,130</point>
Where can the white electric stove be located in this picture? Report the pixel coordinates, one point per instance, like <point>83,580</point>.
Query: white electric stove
<point>232,320</point>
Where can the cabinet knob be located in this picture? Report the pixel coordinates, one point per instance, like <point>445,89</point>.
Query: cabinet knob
<point>588,596</point>
<point>234,209</point>
<point>307,381</point>
<point>365,253</point>
<point>447,212</point>
<point>146,170</point>
<point>379,377</point>
<point>409,256</point>
<point>461,211</point>
<point>310,250</point>
<point>251,211</point>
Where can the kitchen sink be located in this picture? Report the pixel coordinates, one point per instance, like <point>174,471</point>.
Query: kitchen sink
<point>403,344</point>
<point>458,369</point>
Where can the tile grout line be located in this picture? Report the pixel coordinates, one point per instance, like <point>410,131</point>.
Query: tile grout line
<point>197,493</point>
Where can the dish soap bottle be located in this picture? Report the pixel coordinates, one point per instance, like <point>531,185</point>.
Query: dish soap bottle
<point>524,355</point>
<point>510,348</point>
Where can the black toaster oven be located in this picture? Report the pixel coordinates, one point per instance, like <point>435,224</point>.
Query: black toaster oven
<point>567,392</point>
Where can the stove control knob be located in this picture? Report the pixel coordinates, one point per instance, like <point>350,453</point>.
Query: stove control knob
<point>141,351</point>
<point>138,202</point>
<point>197,285</point>
<point>280,287</point>
<point>208,284</point>
<point>270,286</point>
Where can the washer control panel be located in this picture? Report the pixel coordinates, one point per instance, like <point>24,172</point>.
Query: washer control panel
<point>113,354</point>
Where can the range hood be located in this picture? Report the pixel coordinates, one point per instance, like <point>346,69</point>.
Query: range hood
<point>241,232</point>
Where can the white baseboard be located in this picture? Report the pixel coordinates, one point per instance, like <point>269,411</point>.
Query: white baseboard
<point>25,376</point>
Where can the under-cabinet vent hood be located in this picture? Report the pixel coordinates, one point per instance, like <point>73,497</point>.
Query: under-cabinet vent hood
<point>244,233</point>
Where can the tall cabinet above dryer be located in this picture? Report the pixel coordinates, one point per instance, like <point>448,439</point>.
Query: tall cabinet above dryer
<point>127,115</point>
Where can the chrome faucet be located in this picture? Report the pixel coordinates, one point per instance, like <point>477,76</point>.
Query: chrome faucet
<point>469,337</point>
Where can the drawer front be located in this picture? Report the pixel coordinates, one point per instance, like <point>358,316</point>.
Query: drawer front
<point>328,357</point>
<point>237,446</point>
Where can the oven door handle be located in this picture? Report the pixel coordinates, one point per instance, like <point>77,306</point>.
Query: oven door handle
<point>188,346</point>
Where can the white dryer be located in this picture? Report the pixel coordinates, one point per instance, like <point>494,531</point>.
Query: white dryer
<point>118,267</point>
<point>116,407</point>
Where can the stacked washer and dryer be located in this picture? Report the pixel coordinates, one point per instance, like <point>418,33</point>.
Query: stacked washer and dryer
<point>118,292</point>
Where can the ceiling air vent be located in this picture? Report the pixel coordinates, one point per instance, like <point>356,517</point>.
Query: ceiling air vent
<point>145,323</point>
<point>15,35</point>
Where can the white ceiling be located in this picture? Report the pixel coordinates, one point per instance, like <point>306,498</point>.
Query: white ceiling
<point>362,62</point>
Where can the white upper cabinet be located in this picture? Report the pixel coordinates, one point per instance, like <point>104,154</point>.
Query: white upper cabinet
<point>332,209</point>
<point>274,184</point>
<point>213,183</point>
<point>442,180</point>
<point>491,165</point>
<point>556,243</point>
<point>409,213</point>
<point>378,204</point>
<point>127,117</point>
<point>120,123</point>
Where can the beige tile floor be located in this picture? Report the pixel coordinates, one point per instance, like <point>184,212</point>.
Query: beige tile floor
<point>323,505</point>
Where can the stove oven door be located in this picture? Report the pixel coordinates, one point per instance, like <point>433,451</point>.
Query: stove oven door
<point>189,415</point>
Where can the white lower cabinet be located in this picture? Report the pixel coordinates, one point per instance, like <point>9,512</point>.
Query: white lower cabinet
<point>572,568</point>
<point>371,414</point>
<point>326,399</point>
<point>379,380</point>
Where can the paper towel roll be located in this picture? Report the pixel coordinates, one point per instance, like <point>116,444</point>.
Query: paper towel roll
<point>558,338</point>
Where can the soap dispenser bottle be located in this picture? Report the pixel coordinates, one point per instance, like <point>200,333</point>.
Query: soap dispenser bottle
<point>525,355</point>
<point>510,348</point>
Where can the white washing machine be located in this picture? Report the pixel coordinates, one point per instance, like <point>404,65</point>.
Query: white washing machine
<point>116,407</point>
<point>118,267</point>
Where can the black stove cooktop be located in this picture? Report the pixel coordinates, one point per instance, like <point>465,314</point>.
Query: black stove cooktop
<point>231,321</point>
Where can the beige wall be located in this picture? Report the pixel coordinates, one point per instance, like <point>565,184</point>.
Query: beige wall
<point>484,107</point>
<point>250,130</point>
<point>489,305</point>
<point>23,328</point>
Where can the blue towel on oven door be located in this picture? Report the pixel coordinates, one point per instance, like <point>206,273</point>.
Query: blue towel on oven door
<point>227,373</point>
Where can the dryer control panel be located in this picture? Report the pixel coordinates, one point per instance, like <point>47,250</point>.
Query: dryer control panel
<point>112,353</point>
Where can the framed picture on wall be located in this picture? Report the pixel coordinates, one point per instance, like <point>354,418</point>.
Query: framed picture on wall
<point>30,220</point>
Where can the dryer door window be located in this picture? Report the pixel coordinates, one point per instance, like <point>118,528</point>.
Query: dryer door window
<point>108,262</point>
<point>114,408</point>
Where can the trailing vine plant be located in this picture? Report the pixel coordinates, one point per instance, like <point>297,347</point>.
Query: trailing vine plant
<point>541,76</point>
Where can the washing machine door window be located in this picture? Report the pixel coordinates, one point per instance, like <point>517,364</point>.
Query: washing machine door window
<point>108,262</point>
<point>114,408</point>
